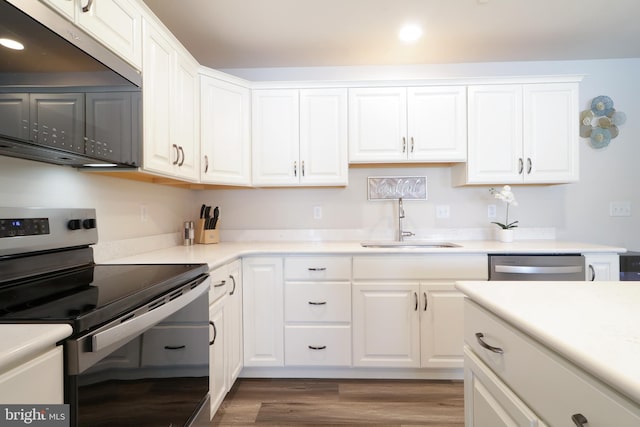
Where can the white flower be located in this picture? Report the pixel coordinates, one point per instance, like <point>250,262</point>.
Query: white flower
<point>506,195</point>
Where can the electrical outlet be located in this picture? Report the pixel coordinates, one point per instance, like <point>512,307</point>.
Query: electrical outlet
<point>317,212</point>
<point>622,208</point>
<point>442,211</point>
<point>491,211</point>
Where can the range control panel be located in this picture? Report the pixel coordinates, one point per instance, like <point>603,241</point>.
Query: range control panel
<point>24,230</point>
<point>12,227</point>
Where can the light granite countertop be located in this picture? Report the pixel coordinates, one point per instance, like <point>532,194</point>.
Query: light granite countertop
<point>221,253</point>
<point>595,325</point>
<point>25,341</point>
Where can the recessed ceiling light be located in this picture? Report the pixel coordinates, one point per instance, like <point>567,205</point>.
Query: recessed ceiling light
<point>410,33</point>
<point>11,44</point>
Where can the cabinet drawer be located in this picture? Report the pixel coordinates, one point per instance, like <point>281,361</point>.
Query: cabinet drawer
<point>37,381</point>
<point>552,387</point>
<point>317,302</point>
<point>317,346</point>
<point>317,268</point>
<point>176,346</point>
<point>220,281</point>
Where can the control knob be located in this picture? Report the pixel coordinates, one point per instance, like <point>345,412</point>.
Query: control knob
<point>89,223</point>
<point>74,224</point>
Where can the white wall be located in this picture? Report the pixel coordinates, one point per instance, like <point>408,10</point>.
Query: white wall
<point>579,212</point>
<point>117,201</point>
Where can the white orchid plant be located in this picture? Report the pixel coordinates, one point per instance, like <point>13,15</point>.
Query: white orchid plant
<point>507,196</point>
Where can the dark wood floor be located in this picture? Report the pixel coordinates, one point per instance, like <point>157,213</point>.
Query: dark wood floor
<point>308,402</point>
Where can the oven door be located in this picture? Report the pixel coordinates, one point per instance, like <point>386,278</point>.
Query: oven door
<point>149,367</point>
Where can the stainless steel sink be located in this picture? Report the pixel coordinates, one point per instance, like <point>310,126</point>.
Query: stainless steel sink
<point>409,244</point>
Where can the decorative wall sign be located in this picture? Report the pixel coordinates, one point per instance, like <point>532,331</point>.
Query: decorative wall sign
<point>394,187</point>
<point>600,123</point>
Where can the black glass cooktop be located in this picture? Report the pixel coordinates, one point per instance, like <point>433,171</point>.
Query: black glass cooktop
<point>88,296</point>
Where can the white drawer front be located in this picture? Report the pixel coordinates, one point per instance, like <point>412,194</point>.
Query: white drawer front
<point>317,268</point>
<point>220,283</point>
<point>317,302</point>
<point>317,346</point>
<point>553,388</point>
<point>176,346</point>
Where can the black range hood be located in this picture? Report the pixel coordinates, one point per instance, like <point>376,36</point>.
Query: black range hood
<point>65,98</point>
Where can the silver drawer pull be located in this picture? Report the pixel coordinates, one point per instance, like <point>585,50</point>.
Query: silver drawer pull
<point>479,336</point>
<point>317,303</point>
<point>174,347</point>
<point>579,420</point>
<point>221,284</point>
<point>322,347</point>
<point>317,268</point>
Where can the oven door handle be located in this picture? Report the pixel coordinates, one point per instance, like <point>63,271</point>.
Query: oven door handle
<point>137,325</point>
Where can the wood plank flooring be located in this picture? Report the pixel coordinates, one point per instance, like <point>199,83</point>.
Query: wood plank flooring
<point>309,402</point>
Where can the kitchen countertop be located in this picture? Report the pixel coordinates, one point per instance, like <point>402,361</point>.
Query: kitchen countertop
<point>595,325</point>
<point>24,341</point>
<point>221,253</point>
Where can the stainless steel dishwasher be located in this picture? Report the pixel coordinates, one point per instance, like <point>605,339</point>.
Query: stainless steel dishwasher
<point>537,267</point>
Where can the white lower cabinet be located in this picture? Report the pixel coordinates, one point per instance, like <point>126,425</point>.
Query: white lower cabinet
<point>602,267</point>
<point>36,381</point>
<point>406,311</point>
<point>547,385</point>
<point>217,367</point>
<point>263,311</point>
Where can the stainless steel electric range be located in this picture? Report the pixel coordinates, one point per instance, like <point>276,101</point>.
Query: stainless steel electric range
<point>139,352</point>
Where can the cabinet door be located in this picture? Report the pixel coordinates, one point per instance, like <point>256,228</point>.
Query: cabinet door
<point>495,134</point>
<point>377,125</point>
<point>38,381</point>
<point>159,155</point>
<point>233,323</point>
<point>276,139</point>
<point>64,7</point>
<point>602,267</point>
<point>57,120</point>
<point>217,362</point>
<point>550,133</point>
<point>437,123</point>
<point>489,402</point>
<point>323,137</point>
<point>115,23</point>
<point>441,326</point>
<point>386,325</point>
<point>263,311</point>
<point>225,138</point>
<point>185,117</point>
<point>14,115</point>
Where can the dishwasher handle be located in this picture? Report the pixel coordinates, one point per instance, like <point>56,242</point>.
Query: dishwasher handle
<point>534,269</point>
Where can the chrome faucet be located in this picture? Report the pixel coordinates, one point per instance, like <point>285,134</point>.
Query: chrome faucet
<point>402,234</point>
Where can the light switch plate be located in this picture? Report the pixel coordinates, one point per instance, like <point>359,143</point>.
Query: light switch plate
<point>621,208</point>
<point>442,211</point>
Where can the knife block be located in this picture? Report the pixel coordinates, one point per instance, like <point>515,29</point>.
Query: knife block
<point>204,236</point>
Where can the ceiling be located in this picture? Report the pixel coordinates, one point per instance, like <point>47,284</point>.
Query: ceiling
<point>306,33</point>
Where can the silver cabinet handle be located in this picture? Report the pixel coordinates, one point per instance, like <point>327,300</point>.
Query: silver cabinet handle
<point>181,152</point>
<point>215,333</point>
<point>404,144</point>
<point>175,347</point>
<point>593,273</point>
<point>221,284</point>
<point>175,147</point>
<point>233,279</point>
<point>529,165</point>
<point>479,336</point>
<point>317,268</point>
<point>295,168</point>
<point>87,8</point>
<point>412,144</point>
<point>426,302</point>
<point>206,164</point>
<point>322,347</point>
<point>302,166</point>
<point>579,420</point>
<point>520,166</point>
<point>415,297</point>
<point>317,303</point>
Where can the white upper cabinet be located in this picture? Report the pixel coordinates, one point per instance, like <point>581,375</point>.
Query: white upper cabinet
<point>115,23</point>
<point>415,124</point>
<point>225,138</point>
<point>299,137</point>
<point>171,107</point>
<point>521,134</point>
